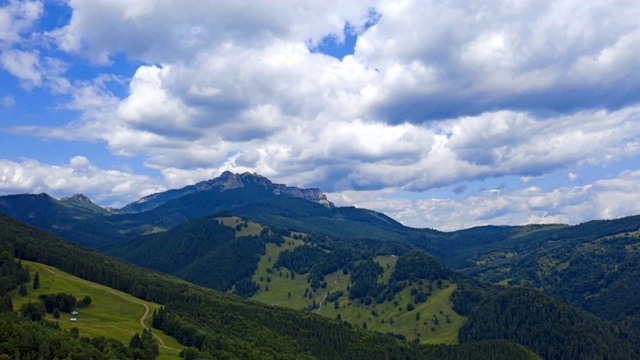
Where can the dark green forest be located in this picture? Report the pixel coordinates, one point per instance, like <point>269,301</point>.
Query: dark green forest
<point>243,329</point>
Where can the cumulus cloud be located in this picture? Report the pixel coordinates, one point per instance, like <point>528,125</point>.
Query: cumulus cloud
<point>19,55</point>
<point>604,199</point>
<point>24,65</point>
<point>16,18</point>
<point>486,90</point>
<point>474,57</point>
<point>159,31</point>
<point>79,175</point>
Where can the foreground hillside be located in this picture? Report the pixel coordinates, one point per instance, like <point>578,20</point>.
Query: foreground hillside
<point>243,329</point>
<point>50,305</point>
<point>112,313</point>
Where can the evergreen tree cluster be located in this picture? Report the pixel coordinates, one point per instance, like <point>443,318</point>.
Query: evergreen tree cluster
<point>284,335</point>
<point>552,329</point>
<point>322,255</point>
<point>12,273</point>
<point>364,278</point>
<point>61,301</point>
<point>419,265</point>
<point>144,347</point>
<point>30,337</point>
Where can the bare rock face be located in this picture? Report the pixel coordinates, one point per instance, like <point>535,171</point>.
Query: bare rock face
<point>77,198</point>
<point>228,180</point>
<point>313,194</point>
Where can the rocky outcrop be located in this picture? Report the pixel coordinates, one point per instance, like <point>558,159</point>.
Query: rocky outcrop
<point>228,181</point>
<point>77,198</point>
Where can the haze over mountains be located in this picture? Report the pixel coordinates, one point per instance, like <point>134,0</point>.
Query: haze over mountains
<point>290,247</point>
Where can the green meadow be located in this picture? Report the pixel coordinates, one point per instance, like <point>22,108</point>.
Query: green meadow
<point>431,322</point>
<point>112,313</point>
<point>251,228</point>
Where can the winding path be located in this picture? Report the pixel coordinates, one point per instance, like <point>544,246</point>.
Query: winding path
<point>146,307</point>
<point>325,297</point>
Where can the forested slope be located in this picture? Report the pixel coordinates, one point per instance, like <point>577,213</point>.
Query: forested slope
<point>243,329</point>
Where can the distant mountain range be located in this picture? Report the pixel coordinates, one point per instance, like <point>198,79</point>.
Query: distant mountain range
<point>292,247</point>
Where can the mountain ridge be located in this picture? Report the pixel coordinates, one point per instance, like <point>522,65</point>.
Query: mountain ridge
<point>226,181</point>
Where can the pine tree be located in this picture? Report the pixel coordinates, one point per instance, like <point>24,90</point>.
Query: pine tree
<point>135,342</point>
<point>6,305</point>
<point>36,281</point>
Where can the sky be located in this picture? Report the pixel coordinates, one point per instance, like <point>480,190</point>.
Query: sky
<point>440,114</point>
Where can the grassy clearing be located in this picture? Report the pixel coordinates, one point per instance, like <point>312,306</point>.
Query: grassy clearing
<point>251,228</point>
<point>393,316</point>
<point>635,234</point>
<point>112,313</point>
<point>390,316</point>
<point>633,247</point>
<point>388,263</point>
<point>280,282</point>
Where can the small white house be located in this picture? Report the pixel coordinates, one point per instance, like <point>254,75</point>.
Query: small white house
<point>74,312</point>
<point>73,319</point>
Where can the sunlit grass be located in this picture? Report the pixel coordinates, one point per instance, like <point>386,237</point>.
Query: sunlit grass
<point>112,313</point>
<point>390,316</point>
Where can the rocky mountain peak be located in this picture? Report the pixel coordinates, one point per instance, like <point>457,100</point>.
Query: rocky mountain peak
<point>77,198</point>
<point>228,181</point>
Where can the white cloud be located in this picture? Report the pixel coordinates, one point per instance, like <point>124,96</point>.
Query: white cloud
<point>159,31</point>
<point>604,199</point>
<point>476,56</point>
<point>106,187</point>
<point>23,65</point>
<point>16,18</point>
<point>485,90</point>
<point>253,86</point>
<point>19,53</point>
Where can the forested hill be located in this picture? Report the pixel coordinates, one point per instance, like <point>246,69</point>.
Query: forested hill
<point>243,329</point>
<point>595,265</point>
<point>348,277</point>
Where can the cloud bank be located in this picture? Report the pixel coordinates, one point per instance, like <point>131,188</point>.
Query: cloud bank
<point>435,95</point>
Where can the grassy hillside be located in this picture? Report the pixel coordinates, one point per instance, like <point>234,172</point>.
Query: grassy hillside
<point>216,325</point>
<point>431,322</point>
<point>112,313</point>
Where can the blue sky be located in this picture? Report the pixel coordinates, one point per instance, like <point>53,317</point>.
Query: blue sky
<point>440,114</point>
